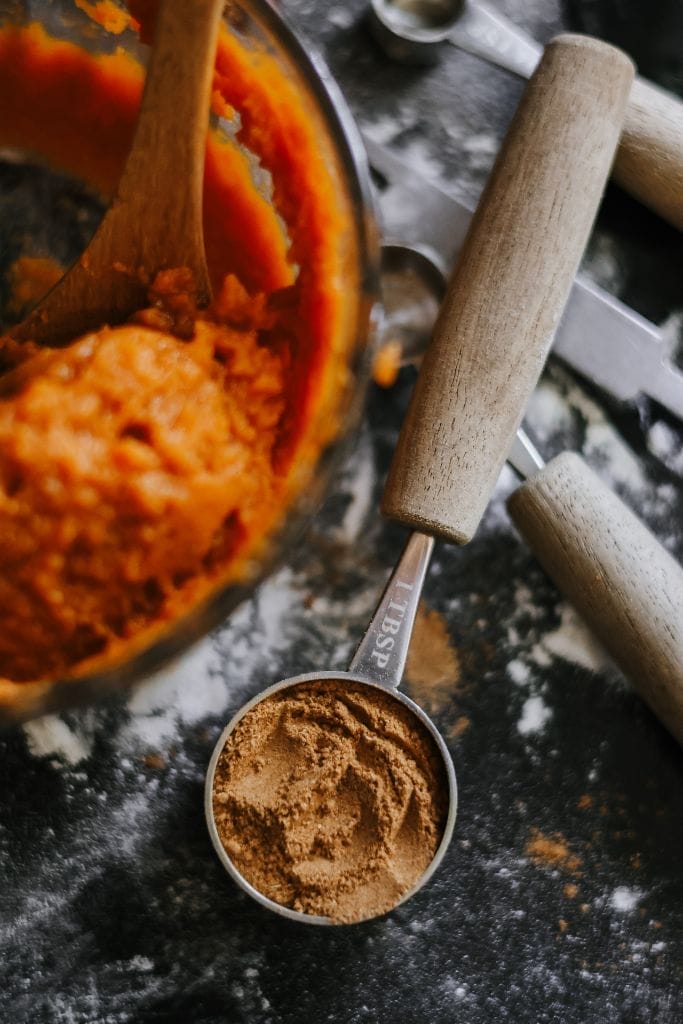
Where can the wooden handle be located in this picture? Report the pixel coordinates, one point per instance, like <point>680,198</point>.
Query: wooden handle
<point>155,218</point>
<point>623,582</point>
<point>509,288</point>
<point>649,162</point>
<point>170,137</point>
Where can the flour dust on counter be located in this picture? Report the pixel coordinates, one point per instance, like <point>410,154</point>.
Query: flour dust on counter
<point>561,897</point>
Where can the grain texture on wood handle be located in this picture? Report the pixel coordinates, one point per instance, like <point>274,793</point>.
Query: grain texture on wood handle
<point>170,137</point>
<point>649,163</point>
<point>155,219</point>
<point>509,288</point>
<point>624,583</point>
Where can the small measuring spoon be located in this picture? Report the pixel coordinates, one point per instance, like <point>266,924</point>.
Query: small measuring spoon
<point>489,344</point>
<point>413,30</point>
<point>649,160</point>
<point>154,221</point>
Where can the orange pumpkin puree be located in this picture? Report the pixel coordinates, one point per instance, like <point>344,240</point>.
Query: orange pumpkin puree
<point>140,470</point>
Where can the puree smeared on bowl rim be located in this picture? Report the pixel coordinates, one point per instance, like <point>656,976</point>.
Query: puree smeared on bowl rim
<point>140,470</point>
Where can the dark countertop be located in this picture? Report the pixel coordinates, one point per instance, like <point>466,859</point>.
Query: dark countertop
<point>561,897</point>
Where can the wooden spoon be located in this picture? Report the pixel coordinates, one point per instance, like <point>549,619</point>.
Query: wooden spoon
<point>155,219</point>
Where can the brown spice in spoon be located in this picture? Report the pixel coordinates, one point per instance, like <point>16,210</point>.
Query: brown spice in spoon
<point>330,798</point>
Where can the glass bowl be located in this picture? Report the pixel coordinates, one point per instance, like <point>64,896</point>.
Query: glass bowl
<point>281,100</point>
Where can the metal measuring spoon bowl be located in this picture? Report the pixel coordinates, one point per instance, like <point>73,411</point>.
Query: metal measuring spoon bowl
<point>413,286</point>
<point>412,31</point>
<point>373,677</point>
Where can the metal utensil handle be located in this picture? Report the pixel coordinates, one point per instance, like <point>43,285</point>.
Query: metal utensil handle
<point>487,34</point>
<point>382,653</point>
<point>624,583</point>
<point>509,289</point>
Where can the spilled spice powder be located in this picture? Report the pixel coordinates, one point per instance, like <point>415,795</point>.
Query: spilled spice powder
<point>433,666</point>
<point>331,798</point>
<point>552,851</point>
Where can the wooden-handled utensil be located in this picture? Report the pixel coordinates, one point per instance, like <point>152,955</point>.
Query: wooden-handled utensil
<point>649,163</point>
<point>614,571</point>
<point>155,219</point>
<point>509,288</point>
<point>626,585</point>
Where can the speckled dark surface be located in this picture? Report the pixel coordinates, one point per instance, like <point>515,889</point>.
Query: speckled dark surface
<point>113,905</point>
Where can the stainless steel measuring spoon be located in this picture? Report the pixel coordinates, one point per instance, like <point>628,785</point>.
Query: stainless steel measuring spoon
<point>414,30</point>
<point>489,344</point>
<point>649,160</point>
<point>378,664</point>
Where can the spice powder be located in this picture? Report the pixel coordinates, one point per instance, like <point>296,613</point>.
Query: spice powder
<point>331,798</point>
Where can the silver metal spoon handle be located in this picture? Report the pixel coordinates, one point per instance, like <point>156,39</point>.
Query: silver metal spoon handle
<point>382,653</point>
<point>488,34</point>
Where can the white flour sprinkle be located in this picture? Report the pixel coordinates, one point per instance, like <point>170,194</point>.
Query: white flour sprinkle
<point>141,963</point>
<point>547,413</point>
<point>519,672</point>
<point>535,714</point>
<point>360,475</point>
<point>341,17</point>
<point>672,329</point>
<point>418,155</point>
<point>624,899</point>
<point>663,442</point>
<point>51,736</point>
<point>573,641</point>
<point>480,151</point>
<point>187,691</point>
<point>613,457</point>
<point>385,129</point>
<point>496,518</point>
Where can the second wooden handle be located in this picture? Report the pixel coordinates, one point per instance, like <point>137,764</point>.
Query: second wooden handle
<point>649,162</point>
<point>509,288</point>
<point>625,584</point>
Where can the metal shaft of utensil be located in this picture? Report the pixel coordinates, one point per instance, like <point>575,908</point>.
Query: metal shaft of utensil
<point>381,654</point>
<point>486,33</point>
<point>524,456</point>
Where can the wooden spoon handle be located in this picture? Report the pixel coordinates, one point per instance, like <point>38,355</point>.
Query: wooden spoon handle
<point>509,288</point>
<point>649,162</point>
<point>624,583</point>
<point>155,219</point>
<point>170,138</point>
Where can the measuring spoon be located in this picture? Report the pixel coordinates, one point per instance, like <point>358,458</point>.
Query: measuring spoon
<point>154,221</point>
<point>649,161</point>
<point>489,344</point>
